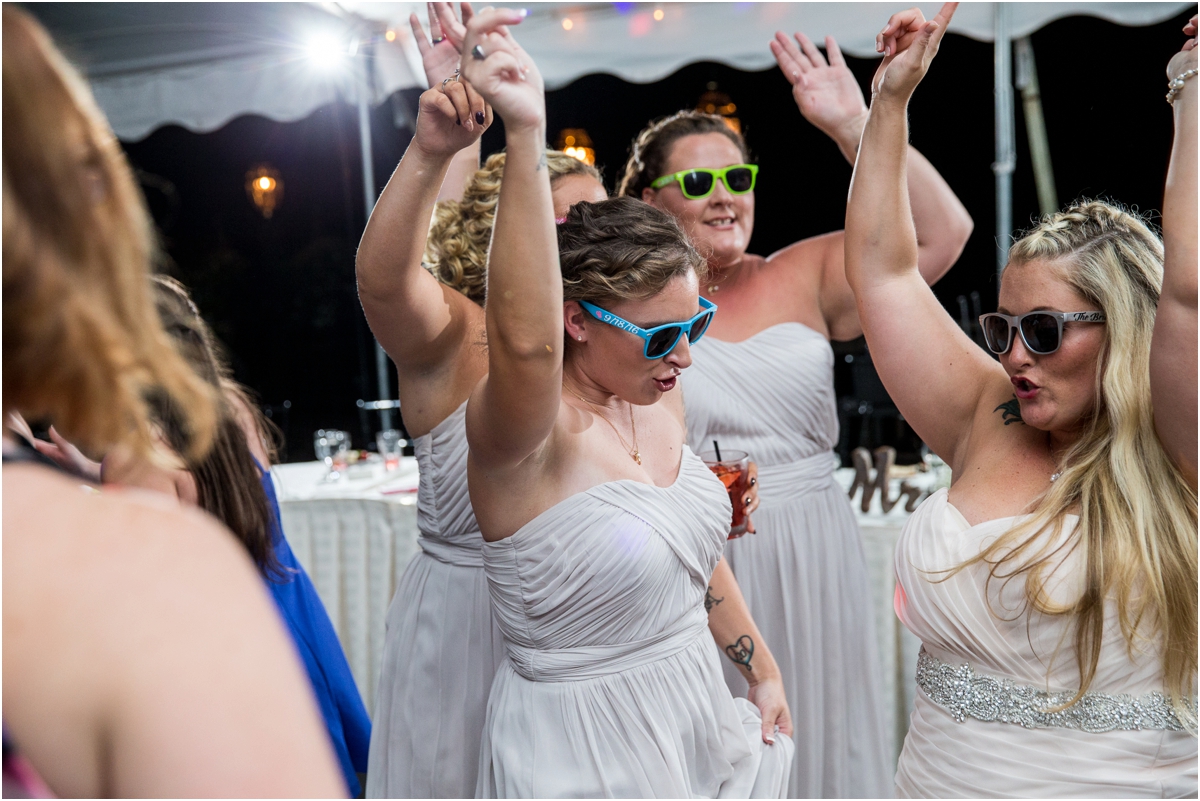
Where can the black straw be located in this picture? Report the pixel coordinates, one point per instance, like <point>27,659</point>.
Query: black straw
<point>717,448</point>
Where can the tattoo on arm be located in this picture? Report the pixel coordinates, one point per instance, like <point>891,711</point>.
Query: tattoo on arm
<point>1010,411</point>
<point>741,651</point>
<point>710,600</point>
<point>541,165</point>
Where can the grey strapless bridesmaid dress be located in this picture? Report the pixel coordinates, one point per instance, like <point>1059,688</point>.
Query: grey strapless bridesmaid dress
<point>804,574</point>
<point>613,684</point>
<point>442,647</point>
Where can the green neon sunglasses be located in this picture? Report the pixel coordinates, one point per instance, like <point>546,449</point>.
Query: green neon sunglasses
<point>699,183</point>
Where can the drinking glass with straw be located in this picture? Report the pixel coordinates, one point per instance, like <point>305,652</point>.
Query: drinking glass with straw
<point>734,471</point>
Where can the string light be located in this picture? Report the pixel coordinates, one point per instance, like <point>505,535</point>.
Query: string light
<point>658,15</point>
<point>567,24</point>
<point>390,36</point>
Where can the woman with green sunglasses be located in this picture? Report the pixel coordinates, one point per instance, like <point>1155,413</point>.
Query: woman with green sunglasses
<point>763,383</point>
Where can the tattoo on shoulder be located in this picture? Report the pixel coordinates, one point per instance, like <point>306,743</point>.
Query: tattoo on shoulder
<point>541,165</point>
<point>1010,411</point>
<point>710,600</point>
<point>741,651</point>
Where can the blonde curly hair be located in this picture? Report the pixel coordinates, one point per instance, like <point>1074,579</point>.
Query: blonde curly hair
<point>457,246</point>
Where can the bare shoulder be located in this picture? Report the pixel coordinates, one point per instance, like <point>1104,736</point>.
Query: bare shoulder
<point>136,623</point>
<point>808,256</point>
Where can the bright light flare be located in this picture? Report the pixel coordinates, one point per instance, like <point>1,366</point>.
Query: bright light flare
<point>326,51</point>
<point>658,15</point>
<point>567,24</point>
<point>390,36</point>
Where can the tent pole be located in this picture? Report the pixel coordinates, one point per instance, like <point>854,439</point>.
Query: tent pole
<point>368,173</point>
<point>1006,156</point>
<point>1035,126</point>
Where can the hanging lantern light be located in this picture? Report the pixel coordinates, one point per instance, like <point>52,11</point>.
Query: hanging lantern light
<point>576,143</point>
<point>264,186</point>
<point>719,103</point>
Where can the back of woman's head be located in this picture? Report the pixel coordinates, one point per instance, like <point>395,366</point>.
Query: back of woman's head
<point>622,249</point>
<point>1137,524</point>
<point>228,482</point>
<point>457,246</point>
<point>648,156</point>
<point>82,343</point>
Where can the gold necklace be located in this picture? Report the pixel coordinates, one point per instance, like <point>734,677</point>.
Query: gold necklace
<point>633,452</point>
<point>724,279</point>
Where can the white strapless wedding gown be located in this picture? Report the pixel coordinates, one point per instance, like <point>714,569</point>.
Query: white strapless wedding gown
<point>986,659</point>
<point>613,687</point>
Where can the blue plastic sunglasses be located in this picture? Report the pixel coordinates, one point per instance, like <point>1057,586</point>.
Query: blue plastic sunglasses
<point>661,339</point>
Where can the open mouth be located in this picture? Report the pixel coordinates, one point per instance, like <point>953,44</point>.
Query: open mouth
<point>1025,388</point>
<point>719,222</point>
<point>665,384</point>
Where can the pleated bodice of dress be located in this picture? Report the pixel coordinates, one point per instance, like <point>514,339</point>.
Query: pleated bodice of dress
<point>445,519</point>
<point>770,395</point>
<point>804,574</point>
<point>612,687</point>
<point>442,647</point>
<point>965,620</point>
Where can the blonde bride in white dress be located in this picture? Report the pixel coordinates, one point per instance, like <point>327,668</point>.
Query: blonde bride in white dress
<point>1054,585</point>
<point>602,530</point>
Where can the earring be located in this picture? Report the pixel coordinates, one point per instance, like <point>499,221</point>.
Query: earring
<point>581,337</point>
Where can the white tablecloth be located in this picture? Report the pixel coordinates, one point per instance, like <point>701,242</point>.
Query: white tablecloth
<point>356,536</point>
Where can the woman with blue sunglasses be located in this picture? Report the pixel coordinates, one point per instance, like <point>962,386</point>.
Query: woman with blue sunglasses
<point>763,383</point>
<point>602,530</point>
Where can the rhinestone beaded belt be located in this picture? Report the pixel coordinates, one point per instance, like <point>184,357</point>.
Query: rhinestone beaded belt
<point>964,693</point>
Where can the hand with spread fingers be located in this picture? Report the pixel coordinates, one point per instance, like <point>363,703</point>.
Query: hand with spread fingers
<point>827,93</point>
<point>908,44</point>
<point>501,70</point>
<point>440,57</point>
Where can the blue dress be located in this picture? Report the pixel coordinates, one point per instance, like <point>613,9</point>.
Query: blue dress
<point>317,643</point>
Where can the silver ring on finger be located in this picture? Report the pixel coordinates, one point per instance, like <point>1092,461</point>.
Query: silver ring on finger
<point>438,40</point>
<point>477,53</point>
<point>452,78</point>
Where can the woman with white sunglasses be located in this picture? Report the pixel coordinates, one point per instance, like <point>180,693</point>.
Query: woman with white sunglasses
<point>1053,586</point>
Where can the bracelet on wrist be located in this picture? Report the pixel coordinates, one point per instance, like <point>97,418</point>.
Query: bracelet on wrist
<point>1176,84</point>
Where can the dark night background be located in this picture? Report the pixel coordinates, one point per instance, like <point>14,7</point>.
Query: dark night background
<point>280,292</point>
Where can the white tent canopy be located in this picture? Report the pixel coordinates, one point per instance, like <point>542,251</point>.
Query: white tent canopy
<point>625,40</point>
<point>201,64</point>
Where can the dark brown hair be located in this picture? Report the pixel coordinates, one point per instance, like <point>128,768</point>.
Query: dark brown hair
<point>650,150</point>
<point>622,249</point>
<point>82,344</point>
<point>228,481</point>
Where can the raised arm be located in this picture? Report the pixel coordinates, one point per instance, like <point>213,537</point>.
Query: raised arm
<point>1173,348</point>
<point>440,55</point>
<point>829,97</point>
<point>738,637</point>
<point>933,372</point>
<point>513,410</point>
<point>419,322</point>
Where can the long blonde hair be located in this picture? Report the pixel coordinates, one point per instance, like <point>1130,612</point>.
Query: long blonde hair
<point>83,345</point>
<point>457,246</point>
<point>1137,525</point>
